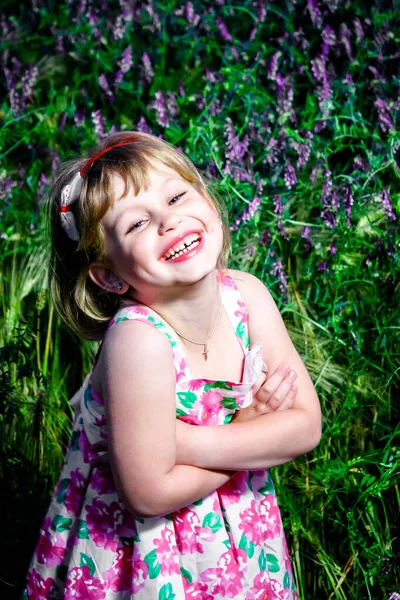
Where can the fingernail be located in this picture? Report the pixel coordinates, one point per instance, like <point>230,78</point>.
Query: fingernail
<point>292,374</point>
<point>285,368</point>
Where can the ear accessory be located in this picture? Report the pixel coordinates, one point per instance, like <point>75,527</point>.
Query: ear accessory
<point>71,192</point>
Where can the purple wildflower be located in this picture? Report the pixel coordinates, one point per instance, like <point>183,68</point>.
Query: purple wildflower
<point>142,126</point>
<point>60,46</point>
<point>99,125</point>
<point>43,182</point>
<point>248,213</point>
<point>106,88</point>
<point>79,118</point>
<point>315,13</point>
<point>6,186</point>
<point>63,121</point>
<point>126,62</point>
<point>333,249</point>
<point>119,28</point>
<point>265,238</point>
<point>278,271</point>
<point>160,106</point>
<point>155,26</point>
<point>236,149</point>
<point>394,596</point>
<point>261,11</point>
<point>278,206</point>
<point>303,149</point>
<point>290,176</point>
<point>273,65</point>
<point>348,201</point>
<point>329,40</point>
<point>250,250</point>
<point>210,76</point>
<point>345,39</point>
<point>305,233</point>
<point>272,149</point>
<point>359,31</point>
<point>387,206</point>
<point>187,11</point>
<point>322,266</point>
<point>223,30</point>
<point>385,119</point>
<point>147,69</point>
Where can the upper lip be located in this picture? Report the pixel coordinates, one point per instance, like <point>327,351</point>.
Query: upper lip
<point>178,239</point>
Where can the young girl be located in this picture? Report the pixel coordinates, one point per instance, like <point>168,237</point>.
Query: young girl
<point>188,510</point>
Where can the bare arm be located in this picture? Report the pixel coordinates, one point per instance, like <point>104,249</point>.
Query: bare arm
<point>274,438</point>
<point>139,391</point>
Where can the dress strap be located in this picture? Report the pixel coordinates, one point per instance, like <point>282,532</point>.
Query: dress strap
<point>235,308</point>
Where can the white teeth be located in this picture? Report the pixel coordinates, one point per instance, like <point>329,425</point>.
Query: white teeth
<point>182,246</point>
<point>192,245</point>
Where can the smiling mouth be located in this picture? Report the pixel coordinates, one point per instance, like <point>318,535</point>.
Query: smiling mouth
<point>190,242</point>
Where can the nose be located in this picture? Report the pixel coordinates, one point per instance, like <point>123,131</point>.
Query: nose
<point>168,220</point>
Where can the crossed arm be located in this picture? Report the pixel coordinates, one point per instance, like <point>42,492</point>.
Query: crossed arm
<point>160,464</point>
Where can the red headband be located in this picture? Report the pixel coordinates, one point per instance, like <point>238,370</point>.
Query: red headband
<point>104,151</point>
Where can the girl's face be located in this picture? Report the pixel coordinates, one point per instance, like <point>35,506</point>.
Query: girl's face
<point>144,234</point>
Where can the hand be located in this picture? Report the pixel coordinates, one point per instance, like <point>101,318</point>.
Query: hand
<point>276,393</point>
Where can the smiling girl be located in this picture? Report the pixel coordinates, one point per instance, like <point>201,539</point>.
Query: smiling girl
<point>177,392</point>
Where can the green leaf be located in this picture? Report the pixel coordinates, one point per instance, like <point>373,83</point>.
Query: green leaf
<point>273,564</point>
<point>63,490</point>
<point>75,440</point>
<point>180,413</point>
<point>83,531</point>
<point>247,546</point>
<point>187,575</point>
<point>212,521</point>
<point>61,523</point>
<point>122,319</point>
<point>86,561</point>
<point>228,418</point>
<point>62,572</point>
<point>227,543</point>
<point>221,385</point>
<point>187,398</point>
<point>166,592</point>
<point>268,487</point>
<point>286,580</point>
<point>229,403</point>
<point>240,329</point>
<point>198,502</point>
<point>154,567</point>
<point>262,561</point>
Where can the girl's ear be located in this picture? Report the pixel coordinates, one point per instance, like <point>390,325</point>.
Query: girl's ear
<point>107,279</point>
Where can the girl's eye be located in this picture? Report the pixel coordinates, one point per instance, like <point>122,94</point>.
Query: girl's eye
<point>138,224</point>
<point>177,197</point>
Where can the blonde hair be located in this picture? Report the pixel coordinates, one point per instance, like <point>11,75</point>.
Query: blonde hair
<point>84,306</point>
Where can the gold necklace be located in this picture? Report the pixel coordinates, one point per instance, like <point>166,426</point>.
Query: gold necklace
<point>205,349</point>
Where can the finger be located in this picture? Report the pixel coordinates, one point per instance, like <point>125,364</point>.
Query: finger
<point>289,400</point>
<point>282,391</point>
<point>259,383</point>
<point>273,382</point>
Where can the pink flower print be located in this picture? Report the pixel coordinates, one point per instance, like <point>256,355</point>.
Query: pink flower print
<point>226,579</point>
<point>39,588</point>
<point>250,523</point>
<point>102,522</point>
<point>197,590</point>
<point>210,407</point>
<point>166,551</point>
<point>85,447</point>
<point>121,577</point>
<point>225,280</point>
<point>139,310</point>
<point>196,384</point>
<point>232,491</point>
<point>190,535</point>
<point>182,367</point>
<point>102,481</point>
<point>261,589</point>
<point>96,397</point>
<point>270,520</point>
<point>75,492</point>
<point>80,585</point>
<point>50,549</point>
<point>242,313</point>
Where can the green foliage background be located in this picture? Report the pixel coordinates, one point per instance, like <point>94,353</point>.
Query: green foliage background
<point>293,107</point>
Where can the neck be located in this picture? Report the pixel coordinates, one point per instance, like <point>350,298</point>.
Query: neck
<point>190,309</point>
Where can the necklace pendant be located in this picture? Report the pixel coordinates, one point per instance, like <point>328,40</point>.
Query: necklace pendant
<point>205,352</point>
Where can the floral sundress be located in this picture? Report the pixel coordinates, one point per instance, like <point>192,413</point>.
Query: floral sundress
<point>229,544</point>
